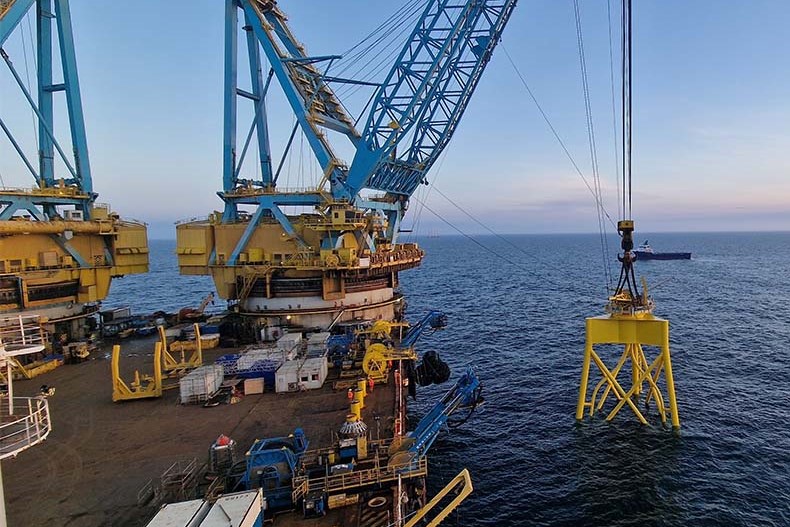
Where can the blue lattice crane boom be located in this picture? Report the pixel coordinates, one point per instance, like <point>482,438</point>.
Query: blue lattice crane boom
<point>418,106</point>
<point>59,247</point>
<point>339,253</point>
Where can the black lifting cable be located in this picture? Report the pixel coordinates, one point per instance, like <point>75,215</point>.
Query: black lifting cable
<point>626,102</point>
<point>626,226</point>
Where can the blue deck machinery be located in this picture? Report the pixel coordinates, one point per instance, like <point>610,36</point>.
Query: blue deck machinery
<point>59,248</point>
<point>270,466</point>
<point>329,251</point>
<point>278,467</point>
<point>466,394</point>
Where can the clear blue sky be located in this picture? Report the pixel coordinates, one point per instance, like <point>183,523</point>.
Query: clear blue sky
<point>712,123</point>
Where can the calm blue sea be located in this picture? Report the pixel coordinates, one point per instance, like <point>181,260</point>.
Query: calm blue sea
<point>517,317</point>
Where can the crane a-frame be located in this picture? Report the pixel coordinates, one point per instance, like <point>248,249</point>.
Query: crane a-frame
<point>340,260</point>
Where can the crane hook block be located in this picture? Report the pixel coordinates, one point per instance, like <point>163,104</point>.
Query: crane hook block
<point>626,230</point>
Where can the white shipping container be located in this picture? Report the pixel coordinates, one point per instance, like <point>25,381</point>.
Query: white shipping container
<point>289,341</point>
<point>242,509</point>
<point>293,376</point>
<point>182,514</point>
<point>318,339</point>
<point>196,386</point>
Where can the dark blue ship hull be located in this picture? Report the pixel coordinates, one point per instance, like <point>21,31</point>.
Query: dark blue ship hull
<point>641,255</point>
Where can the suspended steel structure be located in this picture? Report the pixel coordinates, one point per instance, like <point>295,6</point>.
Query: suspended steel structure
<point>641,374</point>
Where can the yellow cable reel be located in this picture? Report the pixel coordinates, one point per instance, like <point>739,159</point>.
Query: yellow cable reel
<point>378,355</point>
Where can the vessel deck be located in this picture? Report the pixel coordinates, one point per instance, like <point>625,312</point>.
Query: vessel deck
<point>100,454</point>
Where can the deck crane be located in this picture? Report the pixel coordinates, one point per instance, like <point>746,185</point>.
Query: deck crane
<point>383,347</point>
<point>59,247</point>
<point>343,258</point>
<point>465,394</point>
<point>629,321</point>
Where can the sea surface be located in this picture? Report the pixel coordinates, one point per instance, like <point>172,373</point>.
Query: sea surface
<point>516,307</point>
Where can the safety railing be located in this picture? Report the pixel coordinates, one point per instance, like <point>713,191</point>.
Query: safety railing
<point>358,478</point>
<point>29,424</point>
<point>22,331</point>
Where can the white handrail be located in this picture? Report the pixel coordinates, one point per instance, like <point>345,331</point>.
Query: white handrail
<point>27,427</point>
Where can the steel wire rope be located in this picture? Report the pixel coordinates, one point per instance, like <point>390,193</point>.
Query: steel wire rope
<point>378,62</point>
<point>483,225</point>
<point>385,49</point>
<point>591,141</point>
<point>417,221</point>
<point>614,105</point>
<point>348,62</point>
<point>384,28</point>
<point>554,131</point>
<point>627,40</point>
<point>490,250</point>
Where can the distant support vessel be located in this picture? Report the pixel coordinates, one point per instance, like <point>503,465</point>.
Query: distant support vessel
<point>645,252</point>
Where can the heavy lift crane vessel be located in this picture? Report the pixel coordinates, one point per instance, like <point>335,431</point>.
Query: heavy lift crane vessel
<point>342,259</point>
<point>59,248</point>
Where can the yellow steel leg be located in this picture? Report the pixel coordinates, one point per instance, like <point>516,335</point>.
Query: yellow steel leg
<point>585,378</point>
<point>633,331</point>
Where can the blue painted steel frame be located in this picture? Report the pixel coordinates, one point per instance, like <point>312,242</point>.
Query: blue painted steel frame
<point>422,99</point>
<point>417,107</point>
<point>463,394</point>
<point>80,170</point>
<point>14,13</point>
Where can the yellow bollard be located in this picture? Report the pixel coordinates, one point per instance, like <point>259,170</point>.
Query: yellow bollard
<point>356,409</point>
<point>359,395</point>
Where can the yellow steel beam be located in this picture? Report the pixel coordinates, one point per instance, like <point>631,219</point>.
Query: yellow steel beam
<point>462,478</point>
<point>171,364</point>
<point>55,227</point>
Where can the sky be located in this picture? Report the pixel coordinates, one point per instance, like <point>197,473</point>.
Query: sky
<point>711,114</point>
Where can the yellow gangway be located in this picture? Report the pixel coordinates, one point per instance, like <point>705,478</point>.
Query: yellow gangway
<point>462,480</point>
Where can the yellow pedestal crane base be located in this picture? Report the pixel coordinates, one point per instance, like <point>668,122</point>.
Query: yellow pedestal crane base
<point>648,374</point>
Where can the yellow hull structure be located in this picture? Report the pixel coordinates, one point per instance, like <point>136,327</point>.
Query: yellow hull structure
<point>62,269</point>
<point>143,386</point>
<point>322,272</point>
<point>647,373</point>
